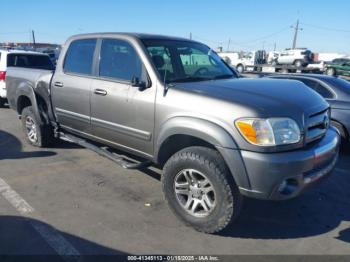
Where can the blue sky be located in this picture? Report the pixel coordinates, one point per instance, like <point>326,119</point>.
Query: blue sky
<point>248,24</point>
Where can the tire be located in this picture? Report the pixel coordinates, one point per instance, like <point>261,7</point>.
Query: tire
<point>2,102</point>
<point>345,144</point>
<point>240,68</point>
<point>42,135</point>
<point>227,199</point>
<point>331,71</point>
<point>298,63</point>
<point>284,71</point>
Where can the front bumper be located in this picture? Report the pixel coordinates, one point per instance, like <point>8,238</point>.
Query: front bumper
<point>284,175</point>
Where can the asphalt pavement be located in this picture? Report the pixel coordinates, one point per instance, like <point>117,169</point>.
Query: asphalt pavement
<point>67,199</point>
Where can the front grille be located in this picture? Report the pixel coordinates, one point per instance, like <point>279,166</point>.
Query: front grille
<point>317,125</point>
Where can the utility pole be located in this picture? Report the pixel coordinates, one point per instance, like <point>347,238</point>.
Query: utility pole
<point>33,37</point>
<point>190,35</point>
<point>274,47</point>
<point>228,45</point>
<point>297,29</point>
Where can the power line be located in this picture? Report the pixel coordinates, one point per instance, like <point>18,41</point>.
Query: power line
<point>326,28</point>
<point>267,36</point>
<point>13,33</point>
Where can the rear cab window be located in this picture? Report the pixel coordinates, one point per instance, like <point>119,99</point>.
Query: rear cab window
<point>79,57</point>
<point>33,61</point>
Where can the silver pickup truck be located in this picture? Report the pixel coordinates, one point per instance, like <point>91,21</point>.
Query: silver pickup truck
<point>175,104</point>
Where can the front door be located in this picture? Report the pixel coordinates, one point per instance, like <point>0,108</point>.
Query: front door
<point>120,113</point>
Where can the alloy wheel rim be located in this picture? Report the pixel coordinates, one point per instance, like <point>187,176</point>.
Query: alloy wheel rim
<point>31,130</point>
<point>194,192</point>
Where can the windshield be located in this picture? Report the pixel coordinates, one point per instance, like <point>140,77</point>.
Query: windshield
<point>186,61</point>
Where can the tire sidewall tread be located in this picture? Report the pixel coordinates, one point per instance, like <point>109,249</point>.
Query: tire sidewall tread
<point>210,162</point>
<point>44,132</point>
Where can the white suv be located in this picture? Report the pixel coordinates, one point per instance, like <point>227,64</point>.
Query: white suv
<point>20,58</point>
<point>297,57</point>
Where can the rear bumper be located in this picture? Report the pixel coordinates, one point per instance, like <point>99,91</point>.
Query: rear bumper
<point>279,176</point>
<point>3,93</point>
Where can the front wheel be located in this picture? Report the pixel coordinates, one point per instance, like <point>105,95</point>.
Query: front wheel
<point>200,190</point>
<point>298,63</point>
<point>330,71</point>
<point>38,135</point>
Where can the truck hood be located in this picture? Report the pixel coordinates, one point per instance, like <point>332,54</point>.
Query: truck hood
<point>267,96</point>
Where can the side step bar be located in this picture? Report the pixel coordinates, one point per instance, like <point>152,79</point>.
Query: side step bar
<point>103,151</point>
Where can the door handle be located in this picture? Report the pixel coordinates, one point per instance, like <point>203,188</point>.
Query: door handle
<point>100,92</point>
<point>58,84</point>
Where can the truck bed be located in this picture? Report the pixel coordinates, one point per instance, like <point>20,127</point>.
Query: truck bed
<point>20,79</point>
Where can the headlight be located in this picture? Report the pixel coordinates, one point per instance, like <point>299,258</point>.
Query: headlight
<point>269,132</point>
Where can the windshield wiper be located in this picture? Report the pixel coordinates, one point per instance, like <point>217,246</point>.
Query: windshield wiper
<point>227,76</point>
<point>189,79</point>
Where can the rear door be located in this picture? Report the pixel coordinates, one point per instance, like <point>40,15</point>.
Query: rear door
<point>121,113</point>
<point>71,86</point>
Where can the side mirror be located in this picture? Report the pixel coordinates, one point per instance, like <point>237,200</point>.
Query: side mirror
<point>142,85</point>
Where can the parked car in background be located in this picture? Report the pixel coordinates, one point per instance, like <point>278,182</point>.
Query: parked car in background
<point>243,61</point>
<point>272,56</point>
<point>173,102</point>
<point>298,57</point>
<point>338,67</point>
<point>20,58</point>
<point>337,93</point>
<point>319,64</point>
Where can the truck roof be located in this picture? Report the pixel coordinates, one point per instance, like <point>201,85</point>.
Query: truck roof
<point>18,51</point>
<point>141,36</point>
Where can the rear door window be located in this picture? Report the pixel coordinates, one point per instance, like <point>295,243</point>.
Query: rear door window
<point>80,56</point>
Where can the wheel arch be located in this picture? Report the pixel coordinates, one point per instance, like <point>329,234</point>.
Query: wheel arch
<point>26,97</point>
<point>181,132</point>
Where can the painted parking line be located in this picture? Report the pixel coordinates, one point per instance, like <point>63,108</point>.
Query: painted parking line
<point>48,233</point>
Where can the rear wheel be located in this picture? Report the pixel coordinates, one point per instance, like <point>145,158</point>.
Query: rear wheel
<point>36,134</point>
<point>298,63</point>
<point>200,190</point>
<point>2,102</point>
<point>240,68</point>
<point>330,71</point>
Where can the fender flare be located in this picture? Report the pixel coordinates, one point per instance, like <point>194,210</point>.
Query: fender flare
<point>27,90</point>
<point>211,133</point>
<point>196,127</point>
